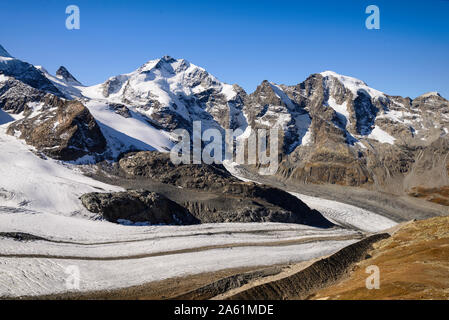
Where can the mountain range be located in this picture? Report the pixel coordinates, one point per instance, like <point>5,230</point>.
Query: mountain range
<point>335,129</point>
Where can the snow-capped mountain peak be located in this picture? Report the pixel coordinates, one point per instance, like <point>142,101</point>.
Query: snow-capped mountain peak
<point>430,94</point>
<point>353,84</point>
<point>172,92</point>
<point>344,79</point>
<point>63,74</point>
<point>25,72</point>
<point>41,69</point>
<point>4,53</point>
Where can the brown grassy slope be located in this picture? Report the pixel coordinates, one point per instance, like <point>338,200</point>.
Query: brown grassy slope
<point>413,263</point>
<point>436,195</point>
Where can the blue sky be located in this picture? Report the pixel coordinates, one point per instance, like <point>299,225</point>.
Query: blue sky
<point>240,42</point>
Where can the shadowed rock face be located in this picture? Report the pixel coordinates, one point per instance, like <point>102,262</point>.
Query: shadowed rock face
<point>60,129</point>
<point>63,130</point>
<point>224,198</point>
<point>120,109</point>
<point>158,166</point>
<point>64,74</point>
<point>137,206</point>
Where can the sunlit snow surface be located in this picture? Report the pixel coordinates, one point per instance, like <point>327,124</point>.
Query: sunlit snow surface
<point>124,133</point>
<point>29,182</point>
<point>347,215</point>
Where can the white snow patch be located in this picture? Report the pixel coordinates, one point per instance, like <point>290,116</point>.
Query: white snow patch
<point>430,94</point>
<point>32,183</point>
<point>353,84</point>
<point>124,133</point>
<point>347,215</point>
<point>397,116</point>
<point>381,136</point>
<point>340,109</point>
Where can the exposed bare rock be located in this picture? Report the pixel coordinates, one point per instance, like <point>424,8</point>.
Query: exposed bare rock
<point>15,96</point>
<point>63,130</point>
<point>158,166</point>
<point>359,136</point>
<point>187,93</point>
<point>120,109</point>
<point>137,206</point>
<point>65,75</point>
<point>334,129</point>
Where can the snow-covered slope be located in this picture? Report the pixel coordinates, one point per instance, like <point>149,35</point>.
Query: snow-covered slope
<point>353,84</point>
<point>31,184</point>
<point>123,133</point>
<point>347,215</point>
<point>168,87</point>
<point>70,89</point>
<point>128,133</point>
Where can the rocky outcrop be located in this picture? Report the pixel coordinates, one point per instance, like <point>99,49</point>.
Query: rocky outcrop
<point>63,130</point>
<point>359,136</point>
<point>15,96</point>
<point>158,166</point>
<point>120,109</point>
<point>60,129</point>
<point>224,208</point>
<point>220,196</point>
<point>137,206</point>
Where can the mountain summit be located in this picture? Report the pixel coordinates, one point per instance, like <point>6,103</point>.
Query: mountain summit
<point>64,74</point>
<point>4,53</point>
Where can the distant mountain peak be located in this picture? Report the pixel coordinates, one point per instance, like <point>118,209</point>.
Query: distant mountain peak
<point>168,59</point>
<point>430,94</point>
<point>64,74</point>
<point>353,84</point>
<point>41,68</point>
<point>4,53</point>
<point>343,78</point>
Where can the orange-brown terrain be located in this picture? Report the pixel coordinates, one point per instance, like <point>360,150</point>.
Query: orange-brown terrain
<point>413,264</point>
<point>436,195</point>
